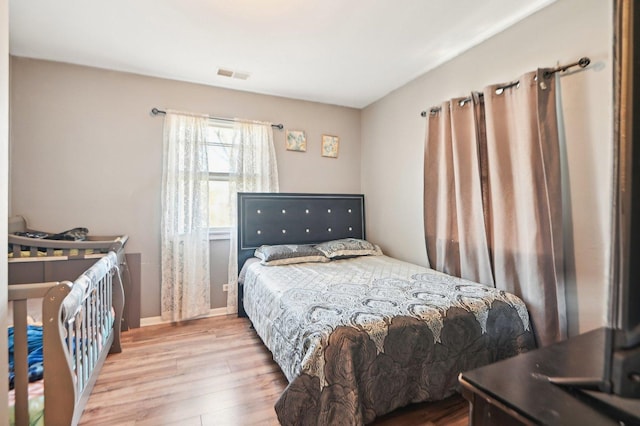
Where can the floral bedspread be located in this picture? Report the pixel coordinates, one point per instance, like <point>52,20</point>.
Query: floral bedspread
<point>358,338</point>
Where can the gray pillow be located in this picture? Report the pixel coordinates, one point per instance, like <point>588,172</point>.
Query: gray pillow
<point>288,254</point>
<point>348,247</point>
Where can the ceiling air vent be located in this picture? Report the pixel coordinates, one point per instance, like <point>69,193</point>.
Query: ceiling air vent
<point>240,75</point>
<point>225,73</point>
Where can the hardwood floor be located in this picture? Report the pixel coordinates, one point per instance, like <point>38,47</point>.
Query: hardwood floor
<point>213,371</point>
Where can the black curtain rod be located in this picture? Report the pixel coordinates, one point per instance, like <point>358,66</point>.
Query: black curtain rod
<point>582,63</point>
<point>156,111</point>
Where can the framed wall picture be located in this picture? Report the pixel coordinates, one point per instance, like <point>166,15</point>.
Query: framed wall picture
<point>296,140</point>
<point>330,146</point>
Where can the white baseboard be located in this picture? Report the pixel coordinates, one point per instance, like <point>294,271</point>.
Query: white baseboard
<point>145,322</point>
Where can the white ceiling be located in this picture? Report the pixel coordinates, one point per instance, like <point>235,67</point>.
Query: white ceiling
<point>343,52</point>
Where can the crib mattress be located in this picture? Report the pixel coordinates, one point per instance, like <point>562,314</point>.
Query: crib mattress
<point>56,253</point>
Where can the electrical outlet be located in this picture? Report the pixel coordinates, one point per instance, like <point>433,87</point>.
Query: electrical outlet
<point>225,287</point>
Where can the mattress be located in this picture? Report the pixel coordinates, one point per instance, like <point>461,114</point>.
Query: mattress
<point>360,337</point>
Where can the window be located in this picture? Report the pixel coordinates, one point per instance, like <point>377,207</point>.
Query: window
<point>219,141</point>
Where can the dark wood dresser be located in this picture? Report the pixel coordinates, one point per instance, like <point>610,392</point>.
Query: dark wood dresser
<point>516,391</point>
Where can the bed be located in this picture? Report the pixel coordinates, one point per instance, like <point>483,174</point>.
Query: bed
<point>34,260</point>
<point>80,326</point>
<point>358,336</point>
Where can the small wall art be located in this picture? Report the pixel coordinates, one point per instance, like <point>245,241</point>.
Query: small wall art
<point>330,146</point>
<point>296,140</point>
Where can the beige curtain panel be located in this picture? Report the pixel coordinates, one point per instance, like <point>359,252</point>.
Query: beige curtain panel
<point>493,207</point>
<point>454,216</point>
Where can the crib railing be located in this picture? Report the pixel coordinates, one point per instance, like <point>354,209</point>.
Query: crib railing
<point>87,329</point>
<point>19,294</point>
<point>81,320</point>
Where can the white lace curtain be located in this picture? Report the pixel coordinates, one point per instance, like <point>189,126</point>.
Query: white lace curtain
<point>253,169</point>
<point>185,288</point>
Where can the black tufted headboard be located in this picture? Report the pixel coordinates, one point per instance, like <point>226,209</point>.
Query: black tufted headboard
<point>286,218</point>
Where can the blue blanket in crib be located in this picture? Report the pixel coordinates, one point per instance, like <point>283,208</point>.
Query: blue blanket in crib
<point>34,345</point>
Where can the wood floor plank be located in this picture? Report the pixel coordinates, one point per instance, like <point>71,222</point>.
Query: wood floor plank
<point>213,371</point>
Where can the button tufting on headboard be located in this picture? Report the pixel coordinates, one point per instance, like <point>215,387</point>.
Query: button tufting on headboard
<point>285,218</point>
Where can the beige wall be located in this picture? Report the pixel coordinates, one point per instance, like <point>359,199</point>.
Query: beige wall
<point>87,152</point>
<point>393,141</point>
<point>4,179</point>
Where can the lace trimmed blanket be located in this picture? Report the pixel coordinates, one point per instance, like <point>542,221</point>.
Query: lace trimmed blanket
<point>358,338</point>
